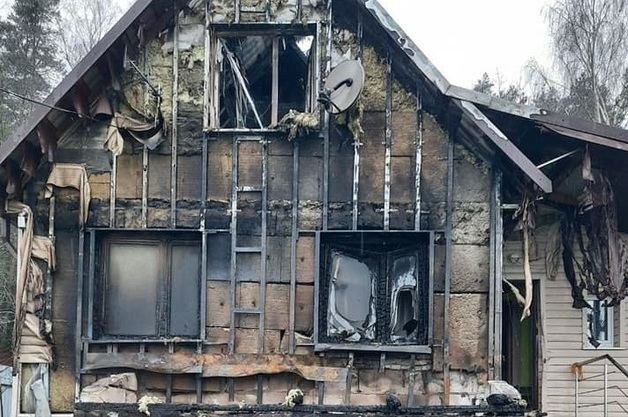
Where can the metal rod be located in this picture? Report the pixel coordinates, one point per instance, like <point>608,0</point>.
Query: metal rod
<point>204,179</point>
<point>234,241</point>
<point>175,122</point>
<point>418,158</point>
<point>259,383</point>
<point>274,104</point>
<point>360,35</point>
<point>299,10</point>
<point>356,183</point>
<point>325,130</point>
<point>262,284</point>
<point>492,278</point>
<point>293,244</point>
<point>168,388</point>
<point>237,11</point>
<point>551,161</point>
<point>388,143</point>
<point>430,332</point>
<point>498,249</point>
<point>143,219</point>
<point>448,243</point>
<point>112,191</point>
<point>208,68</point>
<point>90,285</point>
<point>155,91</point>
<point>78,343</point>
<point>605,390</point>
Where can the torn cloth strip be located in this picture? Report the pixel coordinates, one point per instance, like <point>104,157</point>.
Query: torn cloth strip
<point>149,134</point>
<point>44,249</point>
<point>32,340</point>
<point>74,176</point>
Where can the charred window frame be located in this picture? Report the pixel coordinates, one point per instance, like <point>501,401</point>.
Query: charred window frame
<point>145,286</point>
<point>374,291</point>
<point>602,324</point>
<point>260,72</point>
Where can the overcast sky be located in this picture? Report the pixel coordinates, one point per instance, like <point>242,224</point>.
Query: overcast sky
<point>465,38</point>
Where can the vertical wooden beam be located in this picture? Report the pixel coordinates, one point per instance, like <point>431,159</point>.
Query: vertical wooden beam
<point>418,158</point>
<point>388,143</point>
<point>175,122</point>
<point>274,103</point>
<point>349,380</point>
<point>411,380</point>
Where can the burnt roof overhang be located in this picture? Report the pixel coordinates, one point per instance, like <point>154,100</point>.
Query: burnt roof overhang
<point>143,20</point>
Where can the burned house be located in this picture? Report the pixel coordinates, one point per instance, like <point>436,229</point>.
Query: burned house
<point>283,207</point>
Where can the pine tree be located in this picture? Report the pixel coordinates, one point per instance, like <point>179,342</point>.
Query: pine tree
<point>28,57</point>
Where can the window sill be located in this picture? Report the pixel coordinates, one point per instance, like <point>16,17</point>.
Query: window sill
<point>601,348</point>
<point>105,341</point>
<point>326,347</point>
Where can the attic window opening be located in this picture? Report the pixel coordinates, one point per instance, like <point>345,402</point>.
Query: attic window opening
<point>261,77</point>
<point>374,290</point>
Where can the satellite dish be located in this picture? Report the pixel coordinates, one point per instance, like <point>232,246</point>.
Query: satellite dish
<point>342,87</point>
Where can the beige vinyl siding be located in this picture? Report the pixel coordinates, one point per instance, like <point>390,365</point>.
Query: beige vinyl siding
<point>563,329</point>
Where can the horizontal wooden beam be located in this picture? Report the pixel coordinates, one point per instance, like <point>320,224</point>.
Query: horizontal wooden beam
<point>212,365</point>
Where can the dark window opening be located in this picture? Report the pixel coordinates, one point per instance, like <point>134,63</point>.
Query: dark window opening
<point>246,82</point>
<point>148,287</point>
<point>374,288</point>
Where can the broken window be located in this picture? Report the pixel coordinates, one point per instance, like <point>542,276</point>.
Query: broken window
<point>259,78</point>
<point>149,286</point>
<point>374,288</point>
<point>601,324</point>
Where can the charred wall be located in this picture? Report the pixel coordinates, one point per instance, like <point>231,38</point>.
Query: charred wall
<point>384,138</point>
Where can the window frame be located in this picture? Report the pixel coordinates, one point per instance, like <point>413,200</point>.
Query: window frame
<point>614,325</point>
<point>100,242</point>
<point>320,345</point>
<point>214,72</point>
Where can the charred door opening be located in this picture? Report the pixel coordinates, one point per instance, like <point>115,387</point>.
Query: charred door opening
<point>520,345</point>
<point>374,288</point>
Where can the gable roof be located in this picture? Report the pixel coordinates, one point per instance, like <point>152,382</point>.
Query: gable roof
<point>150,16</point>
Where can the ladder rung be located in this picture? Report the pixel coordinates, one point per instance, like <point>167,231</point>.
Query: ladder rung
<point>249,249</point>
<point>249,9</point>
<point>248,189</point>
<point>246,311</point>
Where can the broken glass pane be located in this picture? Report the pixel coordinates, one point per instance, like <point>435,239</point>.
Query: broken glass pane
<point>351,312</point>
<point>403,323</point>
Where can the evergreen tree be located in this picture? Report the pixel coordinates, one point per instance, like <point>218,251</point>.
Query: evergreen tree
<point>28,57</point>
